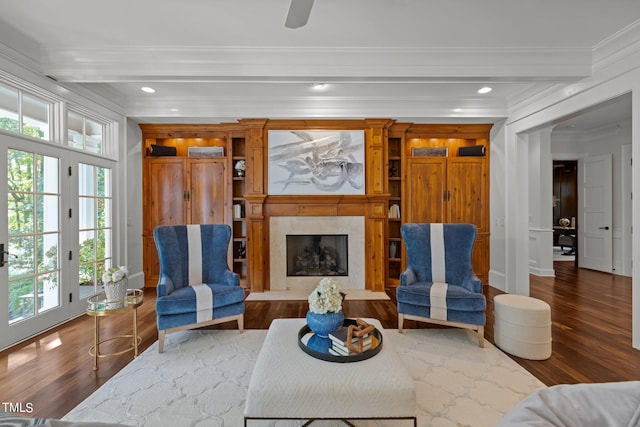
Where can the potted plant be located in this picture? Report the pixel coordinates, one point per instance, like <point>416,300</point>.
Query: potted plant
<point>325,308</point>
<point>115,283</point>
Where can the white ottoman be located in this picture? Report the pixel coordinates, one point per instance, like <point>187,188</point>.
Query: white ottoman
<point>522,326</point>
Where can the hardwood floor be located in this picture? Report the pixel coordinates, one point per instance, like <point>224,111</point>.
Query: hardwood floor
<point>591,314</point>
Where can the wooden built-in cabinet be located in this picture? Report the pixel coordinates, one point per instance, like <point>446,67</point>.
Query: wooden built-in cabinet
<point>451,188</point>
<point>181,189</point>
<point>401,186</point>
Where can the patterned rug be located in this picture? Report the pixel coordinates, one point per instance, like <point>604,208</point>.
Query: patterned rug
<point>202,377</point>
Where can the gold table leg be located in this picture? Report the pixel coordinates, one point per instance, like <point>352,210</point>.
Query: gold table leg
<point>135,332</point>
<point>96,343</point>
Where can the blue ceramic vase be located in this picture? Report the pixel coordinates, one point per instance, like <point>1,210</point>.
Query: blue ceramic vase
<point>323,324</point>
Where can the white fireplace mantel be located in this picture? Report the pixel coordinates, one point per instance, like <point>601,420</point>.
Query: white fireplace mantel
<point>280,226</point>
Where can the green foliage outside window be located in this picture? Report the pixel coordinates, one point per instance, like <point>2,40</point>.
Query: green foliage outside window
<point>14,126</point>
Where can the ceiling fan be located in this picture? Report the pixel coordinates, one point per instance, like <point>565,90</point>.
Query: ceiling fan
<point>298,15</point>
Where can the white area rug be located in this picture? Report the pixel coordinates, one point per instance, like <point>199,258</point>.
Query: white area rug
<point>302,295</point>
<point>202,378</point>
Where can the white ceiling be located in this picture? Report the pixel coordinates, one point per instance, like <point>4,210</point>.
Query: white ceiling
<point>212,60</point>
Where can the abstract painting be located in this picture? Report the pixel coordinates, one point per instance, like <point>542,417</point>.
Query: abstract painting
<point>316,162</point>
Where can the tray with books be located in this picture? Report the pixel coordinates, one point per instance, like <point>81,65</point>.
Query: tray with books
<point>335,348</point>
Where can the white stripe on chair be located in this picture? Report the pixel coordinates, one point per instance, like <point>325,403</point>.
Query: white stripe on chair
<point>438,300</point>
<point>204,302</point>
<point>438,269</point>
<point>194,242</point>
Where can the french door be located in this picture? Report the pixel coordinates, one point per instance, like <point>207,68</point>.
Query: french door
<point>55,235</point>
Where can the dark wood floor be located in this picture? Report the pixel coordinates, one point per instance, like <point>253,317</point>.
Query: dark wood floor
<point>591,315</point>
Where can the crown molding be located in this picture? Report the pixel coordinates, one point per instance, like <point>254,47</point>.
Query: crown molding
<point>145,63</point>
<point>326,107</point>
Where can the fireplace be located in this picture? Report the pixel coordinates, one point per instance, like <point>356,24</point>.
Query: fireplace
<point>317,255</point>
<point>343,234</point>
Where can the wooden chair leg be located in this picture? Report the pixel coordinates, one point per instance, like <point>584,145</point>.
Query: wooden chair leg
<point>241,323</point>
<point>161,341</point>
<point>400,322</point>
<point>481,336</point>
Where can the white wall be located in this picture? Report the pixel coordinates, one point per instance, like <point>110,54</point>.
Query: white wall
<point>133,184</point>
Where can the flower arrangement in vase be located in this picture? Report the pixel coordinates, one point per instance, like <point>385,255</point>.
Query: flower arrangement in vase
<point>325,308</point>
<point>115,283</point>
<point>240,167</point>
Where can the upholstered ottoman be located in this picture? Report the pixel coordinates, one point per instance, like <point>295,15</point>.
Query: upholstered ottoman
<point>287,383</point>
<point>522,326</point>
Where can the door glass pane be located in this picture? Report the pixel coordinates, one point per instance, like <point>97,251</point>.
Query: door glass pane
<point>47,208</point>
<point>21,299</point>
<point>34,234</point>
<point>95,206</point>
<point>87,212</point>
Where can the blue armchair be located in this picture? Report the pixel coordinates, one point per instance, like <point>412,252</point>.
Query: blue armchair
<point>439,285</point>
<point>196,287</point>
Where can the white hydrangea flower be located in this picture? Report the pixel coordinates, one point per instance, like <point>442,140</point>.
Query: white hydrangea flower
<point>114,275</point>
<point>326,297</point>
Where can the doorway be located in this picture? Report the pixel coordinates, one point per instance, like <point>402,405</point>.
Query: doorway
<point>565,210</point>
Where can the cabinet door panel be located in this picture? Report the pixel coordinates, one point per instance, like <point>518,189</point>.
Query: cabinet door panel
<point>167,178</point>
<point>425,190</point>
<point>468,189</point>
<point>207,192</point>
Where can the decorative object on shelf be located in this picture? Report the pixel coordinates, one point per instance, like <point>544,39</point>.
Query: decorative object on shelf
<point>394,211</point>
<point>430,151</point>
<point>393,247</point>
<point>237,211</point>
<point>115,283</point>
<point>325,308</point>
<point>472,151</point>
<point>393,171</point>
<point>564,222</point>
<point>162,150</point>
<point>242,250</point>
<point>240,167</point>
<point>205,151</point>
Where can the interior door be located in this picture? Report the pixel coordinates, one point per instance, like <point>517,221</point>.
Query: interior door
<point>595,211</point>
<point>426,190</point>
<point>467,186</point>
<point>207,191</point>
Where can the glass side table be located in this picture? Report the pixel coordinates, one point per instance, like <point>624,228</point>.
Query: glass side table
<point>98,306</point>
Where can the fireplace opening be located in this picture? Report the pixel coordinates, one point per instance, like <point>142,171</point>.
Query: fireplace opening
<point>317,255</point>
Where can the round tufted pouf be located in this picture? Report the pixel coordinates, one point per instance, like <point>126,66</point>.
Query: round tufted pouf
<point>522,326</point>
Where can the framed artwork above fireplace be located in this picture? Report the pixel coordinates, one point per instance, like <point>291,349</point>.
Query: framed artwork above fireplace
<point>316,162</point>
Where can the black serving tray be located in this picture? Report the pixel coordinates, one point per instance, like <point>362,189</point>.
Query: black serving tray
<point>320,351</point>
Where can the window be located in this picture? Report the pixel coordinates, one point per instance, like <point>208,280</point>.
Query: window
<point>24,113</point>
<point>95,225</point>
<point>84,133</point>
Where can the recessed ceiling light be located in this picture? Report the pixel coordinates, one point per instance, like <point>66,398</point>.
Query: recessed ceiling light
<point>148,89</point>
<point>319,86</point>
<point>485,89</point>
<point>457,110</point>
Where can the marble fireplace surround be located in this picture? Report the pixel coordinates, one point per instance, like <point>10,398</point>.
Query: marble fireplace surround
<point>280,226</point>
